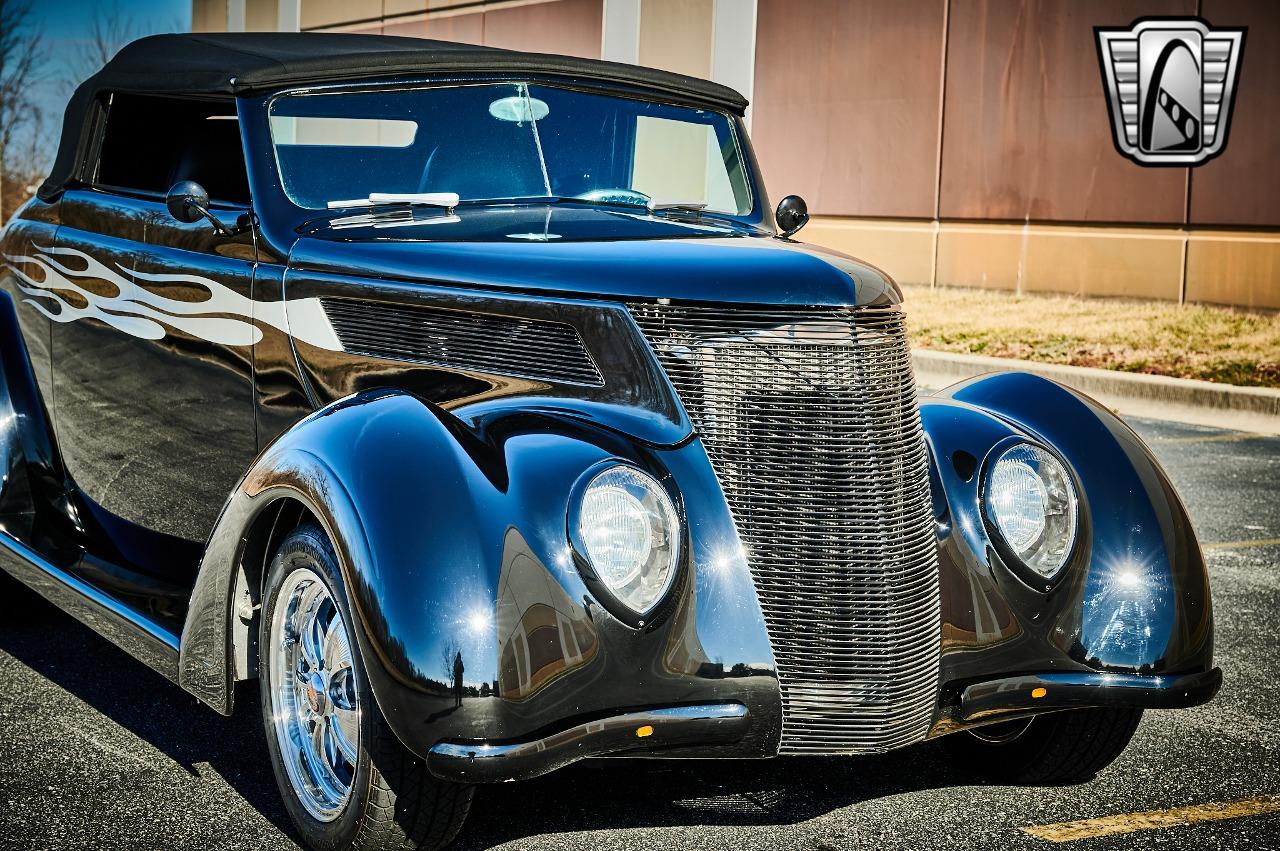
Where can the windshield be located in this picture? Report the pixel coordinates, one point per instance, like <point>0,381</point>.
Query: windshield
<point>506,141</point>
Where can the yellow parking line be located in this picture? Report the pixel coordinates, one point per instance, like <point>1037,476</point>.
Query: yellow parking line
<point>1070,831</point>
<point>1212,438</point>
<point>1242,545</point>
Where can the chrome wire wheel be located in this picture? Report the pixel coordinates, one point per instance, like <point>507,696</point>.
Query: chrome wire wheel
<point>315,703</point>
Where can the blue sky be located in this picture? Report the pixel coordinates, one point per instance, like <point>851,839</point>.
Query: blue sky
<point>64,21</point>
<point>65,26</point>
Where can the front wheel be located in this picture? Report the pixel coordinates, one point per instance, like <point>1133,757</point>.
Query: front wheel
<point>347,781</point>
<point>1048,750</point>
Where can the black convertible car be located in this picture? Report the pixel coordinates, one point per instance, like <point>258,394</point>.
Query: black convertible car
<point>479,406</point>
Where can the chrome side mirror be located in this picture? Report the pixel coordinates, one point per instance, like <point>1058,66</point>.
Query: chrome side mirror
<point>189,202</point>
<point>792,214</point>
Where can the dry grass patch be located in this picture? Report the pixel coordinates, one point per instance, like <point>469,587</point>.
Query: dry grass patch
<point>1184,341</point>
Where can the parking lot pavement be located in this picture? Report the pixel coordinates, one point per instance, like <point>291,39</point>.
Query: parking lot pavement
<point>98,752</point>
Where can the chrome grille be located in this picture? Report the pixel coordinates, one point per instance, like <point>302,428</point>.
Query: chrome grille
<point>811,422</point>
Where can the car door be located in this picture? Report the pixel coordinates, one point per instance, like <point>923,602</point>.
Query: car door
<point>153,365</point>
<point>24,345</point>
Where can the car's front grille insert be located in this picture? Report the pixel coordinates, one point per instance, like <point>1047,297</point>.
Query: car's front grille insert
<point>472,342</point>
<point>812,424</point>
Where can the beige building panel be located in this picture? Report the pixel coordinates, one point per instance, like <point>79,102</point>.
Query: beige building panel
<point>467,28</point>
<point>209,16</point>
<point>331,13</point>
<point>903,249</point>
<point>1234,268</point>
<point>374,28</point>
<point>1137,263</point>
<point>262,15</point>
<point>1105,262</point>
<point>411,27</point>
<point>845,104</point>
<point>1231,268</point>
<point>571,27</point>
<point>675,35</point>
<point>403,7</point>
<point>989,257</point>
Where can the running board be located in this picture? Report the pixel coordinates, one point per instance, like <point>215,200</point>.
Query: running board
<point>131,631</point>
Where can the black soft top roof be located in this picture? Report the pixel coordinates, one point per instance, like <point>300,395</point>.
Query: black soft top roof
<point>243,63</point>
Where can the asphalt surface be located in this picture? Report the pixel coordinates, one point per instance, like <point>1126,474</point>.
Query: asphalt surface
<point>96,751</point>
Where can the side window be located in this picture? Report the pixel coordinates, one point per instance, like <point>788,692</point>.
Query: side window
<point>151,142</point>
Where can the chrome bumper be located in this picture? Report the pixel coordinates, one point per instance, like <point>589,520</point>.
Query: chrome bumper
<point>1032,693</point>
<point>649,729</point>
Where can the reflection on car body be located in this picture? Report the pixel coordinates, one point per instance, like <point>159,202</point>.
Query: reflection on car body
<point>479,406</point>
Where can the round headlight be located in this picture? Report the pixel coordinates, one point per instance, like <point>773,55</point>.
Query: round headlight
<point>630,532</point>
<point>1032,503</point>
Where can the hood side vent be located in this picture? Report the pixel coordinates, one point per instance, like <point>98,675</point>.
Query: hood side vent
<point>472,342</point>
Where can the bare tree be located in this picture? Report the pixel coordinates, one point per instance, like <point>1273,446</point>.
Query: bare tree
<point>22,54</point>
<point>448,655</point>
<point>24,146</point>
<point>25,162</point>
<point>109,30</point>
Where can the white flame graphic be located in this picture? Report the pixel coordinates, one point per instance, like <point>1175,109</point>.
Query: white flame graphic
<point>139,312</point>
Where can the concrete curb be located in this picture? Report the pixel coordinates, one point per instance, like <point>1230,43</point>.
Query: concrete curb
<point>1254,409</point>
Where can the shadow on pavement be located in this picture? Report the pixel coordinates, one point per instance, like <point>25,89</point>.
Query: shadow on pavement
<point>130,694</point>
<point>606,794</point>
<point>592,795</point>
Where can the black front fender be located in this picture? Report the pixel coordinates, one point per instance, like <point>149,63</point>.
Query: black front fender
<point>1133,598</point>
<point>452,540</point>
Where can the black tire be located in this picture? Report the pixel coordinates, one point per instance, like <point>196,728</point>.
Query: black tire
<point>395,802</point>
<point>1049,750</point>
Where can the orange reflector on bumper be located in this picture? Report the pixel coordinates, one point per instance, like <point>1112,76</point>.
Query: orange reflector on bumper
<point>645,731</point>
<point>1039,692</point>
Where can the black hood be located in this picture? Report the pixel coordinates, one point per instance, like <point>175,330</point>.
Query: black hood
<point>590,252</point>
<point>516,222</point>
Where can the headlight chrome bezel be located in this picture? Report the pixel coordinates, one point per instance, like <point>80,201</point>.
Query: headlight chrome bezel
<point>1031,574</point>
<point>668,509</point>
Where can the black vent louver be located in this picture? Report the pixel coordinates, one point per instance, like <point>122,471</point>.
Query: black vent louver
<point>475,342</point>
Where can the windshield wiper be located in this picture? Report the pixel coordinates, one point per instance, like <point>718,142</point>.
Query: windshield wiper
<point>696,212</point>
<point>447,200</point>
<point>677,206</point>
